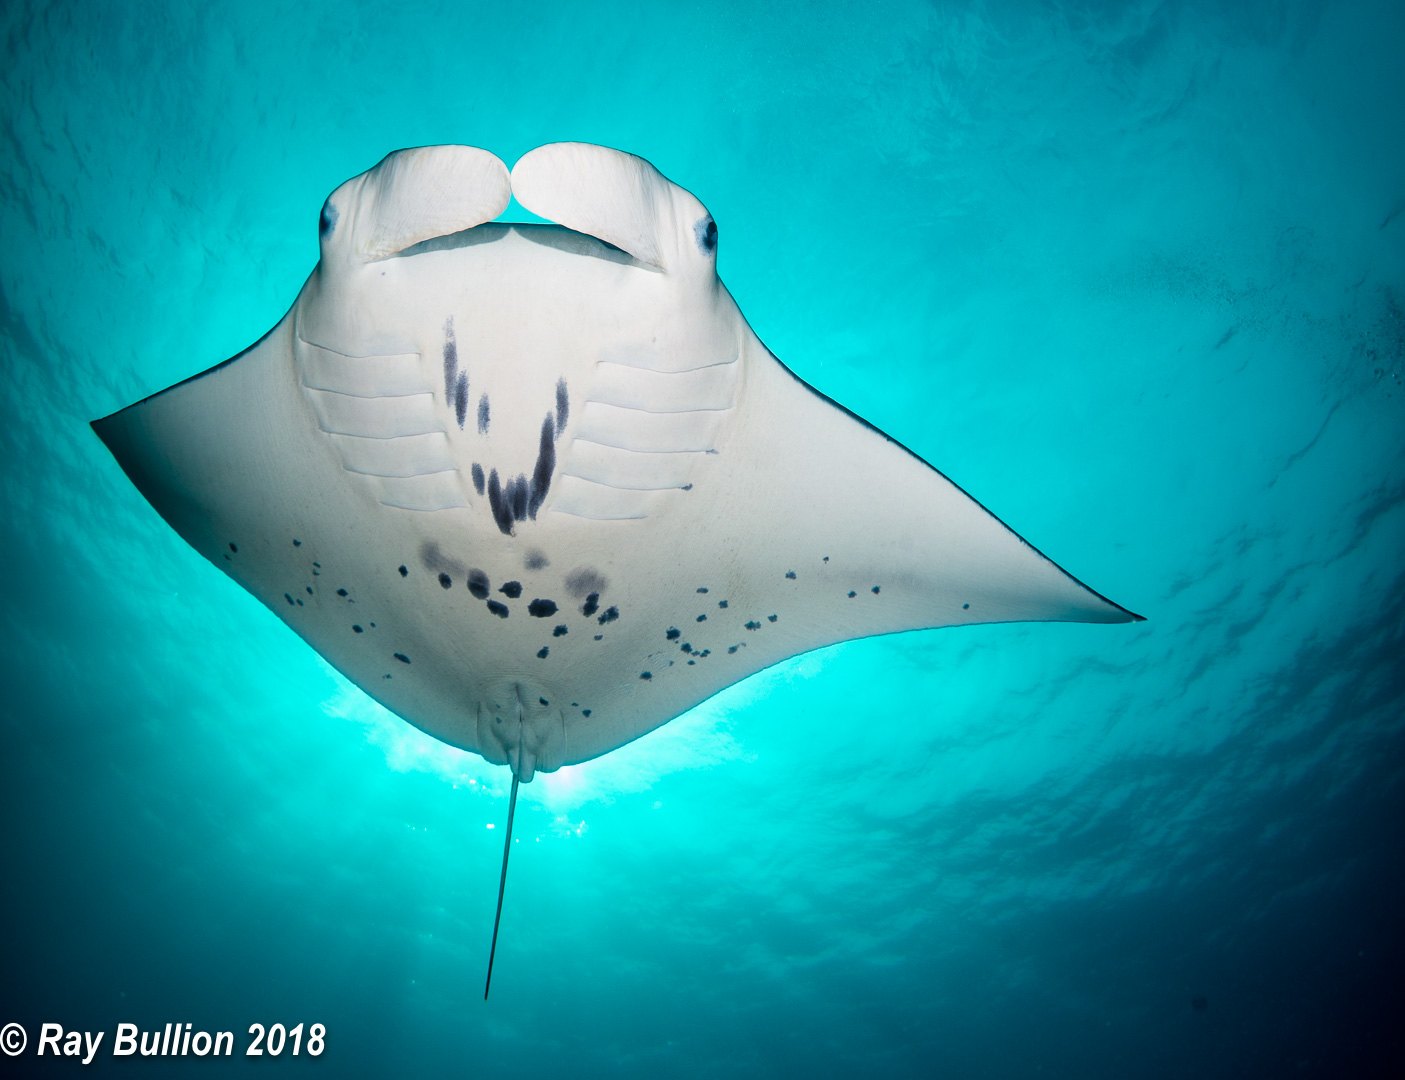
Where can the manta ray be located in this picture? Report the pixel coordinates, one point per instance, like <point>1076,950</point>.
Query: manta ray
<point>539,488</point>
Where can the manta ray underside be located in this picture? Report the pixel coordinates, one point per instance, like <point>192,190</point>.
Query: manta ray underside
<point>539,488</point>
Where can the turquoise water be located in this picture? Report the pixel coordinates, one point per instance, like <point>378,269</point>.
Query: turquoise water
<point>1132,274</point>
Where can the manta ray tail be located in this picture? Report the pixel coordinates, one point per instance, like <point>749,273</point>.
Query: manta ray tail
<point>502,885</point>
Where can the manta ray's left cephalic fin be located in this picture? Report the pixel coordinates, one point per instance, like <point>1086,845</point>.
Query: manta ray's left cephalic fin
<point>621,199</point>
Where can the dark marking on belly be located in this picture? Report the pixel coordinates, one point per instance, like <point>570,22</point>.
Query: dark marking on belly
<point>560,631</point>
<point>478,584</point>
<point>541,655</point>
<point>484,415</point>
<point>546,464</point>
<point>445,581</point>
<point>584,580</point>
<point>591,605</point>
<point>563,406</point>
<point>609,615</point>
<point>511,589</point>
<point>461,398</point>
<point>535,560</point>
<point>673,633</point>
<point>478,477</point>
<point>451,359</point>
<point>500,610</point>
<point>402,658</point>
<point>541,609</point>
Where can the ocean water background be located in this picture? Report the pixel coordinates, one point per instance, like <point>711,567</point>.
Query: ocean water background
<point>1131,273</point>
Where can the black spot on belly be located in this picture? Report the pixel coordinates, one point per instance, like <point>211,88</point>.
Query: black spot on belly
<point>543,701</point>
<point>309,590</point>
<point>511,589</point>
<point>500,610</point>
<point>585,712</point>
<point>541,655</point>
<point>599,637</point>
<point>721,603</point>
<point>404,571</point>
<point>591,605</point>
<point>297,542</point>
<point>478,584</point>
<point>731,648</point>
<point>609,615</point>
<point>770,618</point>
<point>483,415</point>
<point>852,594</point>
<point>646,675</point>
<point>478,478</point>
<point>702,618</point>
<point>875,590</point>
<point>826,558</point>
<point>445,581</point>
<point>753,625</point>
<point>686,647</point>
<point>357,629</point>
<point>673,633</point>
<point>965,607</point>
<point>541,609</point>
<point>234,547</point>
<point>535,560</point>
<point>703,589</point>
<point>341,592</point>
<point>402,658</point>
<point>790,574</point>
<point>289,599</point>
<point>560,631</point>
